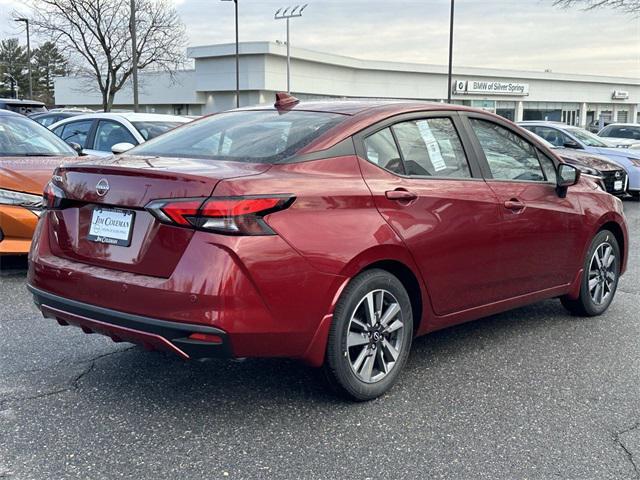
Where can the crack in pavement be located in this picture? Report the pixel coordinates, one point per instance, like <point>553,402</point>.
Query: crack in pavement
<point>71,385</point>
<point>628,453</point>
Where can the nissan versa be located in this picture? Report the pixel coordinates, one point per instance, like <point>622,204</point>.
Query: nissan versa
<point>330,232</point>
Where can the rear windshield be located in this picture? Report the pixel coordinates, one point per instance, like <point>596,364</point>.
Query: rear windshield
<point>25,108</point>
<point>265,136</point>
<point>150,130</point>
<point>621,132</point>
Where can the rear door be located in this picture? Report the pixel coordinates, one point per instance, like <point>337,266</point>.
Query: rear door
<point>539,244</point>
<point>433,195</point>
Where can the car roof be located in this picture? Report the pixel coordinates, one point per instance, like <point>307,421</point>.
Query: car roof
<point>21,102</point>
<point>358,106</point>
<point>9,113</point>
<point>635,125</point>
<point>129,116</point>
<point>136,117</point>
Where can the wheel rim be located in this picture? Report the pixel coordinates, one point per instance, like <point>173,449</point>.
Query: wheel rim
<point>602,274</point>
<point>375,336</point>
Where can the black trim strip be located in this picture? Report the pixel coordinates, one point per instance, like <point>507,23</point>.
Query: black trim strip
<point>164,328</point>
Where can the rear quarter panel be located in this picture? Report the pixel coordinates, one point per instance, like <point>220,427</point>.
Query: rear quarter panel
<point>333,223</point>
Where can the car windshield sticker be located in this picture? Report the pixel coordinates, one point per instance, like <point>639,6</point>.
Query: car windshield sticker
<point>432,146</point>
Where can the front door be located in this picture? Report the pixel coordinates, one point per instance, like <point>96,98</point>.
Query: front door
<point>437,202</point>
<point>538,244</point>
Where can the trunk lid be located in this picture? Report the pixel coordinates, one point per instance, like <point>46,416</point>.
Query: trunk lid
<point>121,187</point>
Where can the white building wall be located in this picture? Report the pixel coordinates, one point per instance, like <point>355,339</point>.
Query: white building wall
<point>210,87</point>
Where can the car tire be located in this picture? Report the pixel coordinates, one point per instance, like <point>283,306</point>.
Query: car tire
<point>635,195</point>
<point>366,353</point>
<point>600,279</point>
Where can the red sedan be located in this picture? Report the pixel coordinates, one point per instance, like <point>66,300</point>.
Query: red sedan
<point>331,232</point>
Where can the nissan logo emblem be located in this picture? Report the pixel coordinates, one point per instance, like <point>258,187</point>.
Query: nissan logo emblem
<point>102,187</point>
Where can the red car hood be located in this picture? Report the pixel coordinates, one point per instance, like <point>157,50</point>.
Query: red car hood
<point>29,174</point>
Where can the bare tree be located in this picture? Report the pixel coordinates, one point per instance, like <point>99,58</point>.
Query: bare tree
<point>95,34</point>
<point>629,6</point>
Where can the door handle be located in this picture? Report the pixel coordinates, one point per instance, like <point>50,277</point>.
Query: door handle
<point>514,204</point>
<point>401,195</point>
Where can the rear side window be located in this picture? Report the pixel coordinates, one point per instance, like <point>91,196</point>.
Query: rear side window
<point>263,136</point>
<point>110,133</point>
<point>510,157</point>
<point>432,148</point>
<point>382,150</point>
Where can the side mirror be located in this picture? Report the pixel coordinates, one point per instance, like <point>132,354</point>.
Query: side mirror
<point>568,175</point>
<point>121,147</point>
<point>572,144</point>
<point>77,147</point>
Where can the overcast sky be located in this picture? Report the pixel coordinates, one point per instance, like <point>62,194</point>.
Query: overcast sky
<point>520,34</point>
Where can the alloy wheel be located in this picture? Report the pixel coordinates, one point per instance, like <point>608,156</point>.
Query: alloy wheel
<point>375,336</point>
<point>602,273</point>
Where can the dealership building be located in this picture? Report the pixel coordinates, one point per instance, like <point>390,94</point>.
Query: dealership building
<point>515,94</point>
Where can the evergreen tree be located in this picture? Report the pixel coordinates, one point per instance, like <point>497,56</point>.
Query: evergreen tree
<point>47,63</point>
<point>13,64</point>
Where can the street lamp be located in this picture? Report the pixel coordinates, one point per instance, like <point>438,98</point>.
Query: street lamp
<point>449,79</point>
<point>26,21</point>
<point>287,14</point>
<point>237,56</point>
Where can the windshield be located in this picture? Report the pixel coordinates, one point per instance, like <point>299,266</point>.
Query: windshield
<point>22,137</point>
<point>588,138</point>
<point>150,130</point>
<point>263,136</point>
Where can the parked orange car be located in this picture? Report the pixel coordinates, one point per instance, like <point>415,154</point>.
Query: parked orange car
<point>29,153</point>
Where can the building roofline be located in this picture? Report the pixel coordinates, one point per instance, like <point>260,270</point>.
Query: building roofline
<point>280,49</point>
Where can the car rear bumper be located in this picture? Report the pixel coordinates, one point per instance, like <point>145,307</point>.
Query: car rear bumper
<point>151,333</point>
<point>246,287</point>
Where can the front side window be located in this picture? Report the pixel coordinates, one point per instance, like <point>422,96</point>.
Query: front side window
<point>262,136</point>
<point>551,135</point>
<point>549,167</point>
<point>110,133</point>
<point>431,148</point>
<point>21,136</point>
<point>509,156</point>
<point>382,150</point>
<point>77,132</point>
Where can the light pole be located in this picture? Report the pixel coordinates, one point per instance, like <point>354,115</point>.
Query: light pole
<point>26,21</point>
<point>134,55</point>
<point>449,79</point>
<point>287,14</point>
<point>237,56</point>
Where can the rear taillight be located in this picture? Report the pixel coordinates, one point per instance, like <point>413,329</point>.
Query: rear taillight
<point>226,215</point>
<point>52,196</point>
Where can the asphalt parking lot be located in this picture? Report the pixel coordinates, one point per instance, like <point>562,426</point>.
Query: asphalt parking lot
<point>532,393</point>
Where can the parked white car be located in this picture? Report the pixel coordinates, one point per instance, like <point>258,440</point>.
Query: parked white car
<point>622,134</point>
<point>103,134</point>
